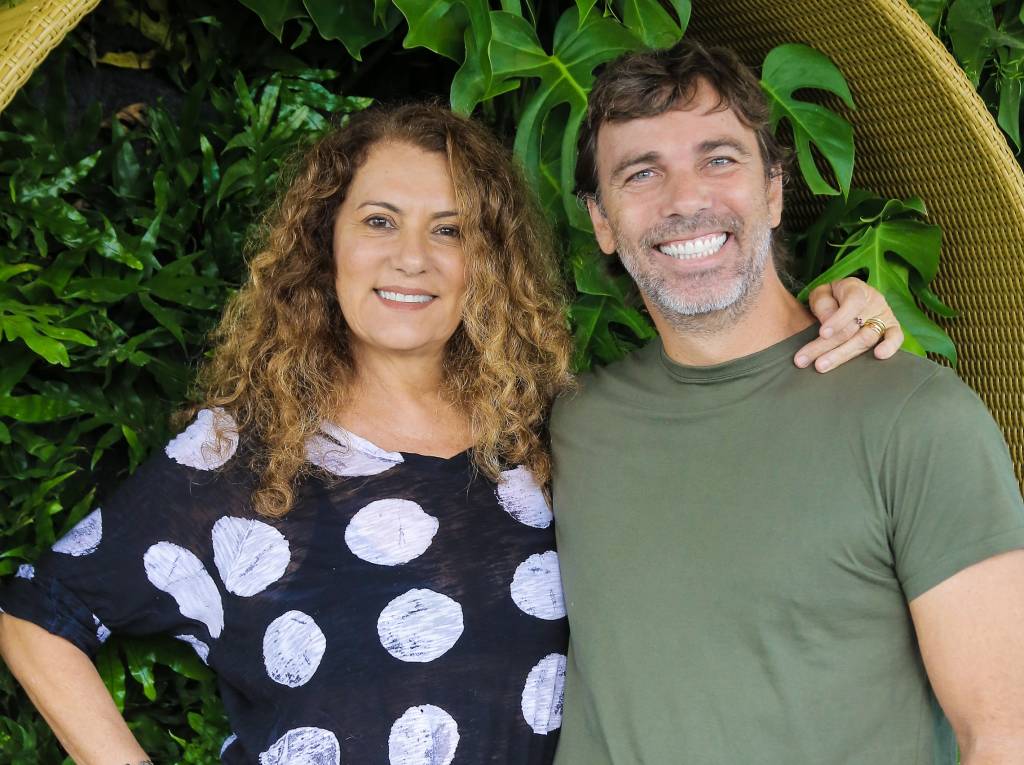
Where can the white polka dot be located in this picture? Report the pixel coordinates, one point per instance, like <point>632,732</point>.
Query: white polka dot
<point>26,571</point>
<point>390,531</point>
<point>537,586</point>
<point>227,742</point>
<point>420,625</point>
<point>346,454</point>
<point>201,648</point>
<point>304,746</point>
<point>84,538</point>
<point>198,446</point>
<point>102,633</point>
<point>182,575</point>
<point>424,735</point>
<point>544,694</point>
<point>250,555</point>
<point>293,646</point>
<point>521,497</point>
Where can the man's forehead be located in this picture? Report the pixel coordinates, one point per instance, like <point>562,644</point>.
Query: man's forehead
<point>697,125</point>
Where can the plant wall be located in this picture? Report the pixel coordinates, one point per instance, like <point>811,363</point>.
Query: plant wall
<point>126,214</point>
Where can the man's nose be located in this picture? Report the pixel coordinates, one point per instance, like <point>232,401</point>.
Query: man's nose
<point>685,195</point>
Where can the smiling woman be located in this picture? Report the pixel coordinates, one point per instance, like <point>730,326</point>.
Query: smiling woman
<point>353,532</point>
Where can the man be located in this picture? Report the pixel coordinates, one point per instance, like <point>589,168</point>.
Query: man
<point>761,565</point>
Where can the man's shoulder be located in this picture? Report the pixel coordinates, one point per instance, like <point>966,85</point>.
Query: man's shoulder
<point>906,379</point>
<point>622,379</point>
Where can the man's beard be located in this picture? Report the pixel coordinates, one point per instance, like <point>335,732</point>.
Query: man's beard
<point>704,305</point>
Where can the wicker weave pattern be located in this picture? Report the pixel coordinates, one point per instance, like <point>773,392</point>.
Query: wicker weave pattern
<point>921,129</point>
<point>28,32</point>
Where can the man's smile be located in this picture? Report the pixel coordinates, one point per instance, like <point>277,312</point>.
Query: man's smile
<point>693,249</point>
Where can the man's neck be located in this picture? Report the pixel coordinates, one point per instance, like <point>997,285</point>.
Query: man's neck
<point>771,316</point>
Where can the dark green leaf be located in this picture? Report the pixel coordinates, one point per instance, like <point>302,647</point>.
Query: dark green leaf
<point>789,68</point>
<point>351,23</point>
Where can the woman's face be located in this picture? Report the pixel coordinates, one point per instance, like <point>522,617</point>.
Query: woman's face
<point>399,265</point>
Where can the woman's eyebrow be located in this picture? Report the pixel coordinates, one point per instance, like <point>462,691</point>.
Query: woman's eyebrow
<point>398,210</point>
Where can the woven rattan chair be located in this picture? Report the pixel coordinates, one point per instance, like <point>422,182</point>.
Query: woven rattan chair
<point>920,129</point>
<point>920,126</point>
<point>29,30</point>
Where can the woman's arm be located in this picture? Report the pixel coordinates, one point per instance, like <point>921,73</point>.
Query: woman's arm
<point>68,691</point>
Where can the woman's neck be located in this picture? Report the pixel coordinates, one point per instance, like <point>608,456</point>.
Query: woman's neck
<point>399,404</point>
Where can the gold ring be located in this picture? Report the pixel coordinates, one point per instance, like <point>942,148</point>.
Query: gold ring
<point>876,325</point>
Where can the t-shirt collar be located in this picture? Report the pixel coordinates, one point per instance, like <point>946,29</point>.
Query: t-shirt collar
<point>741,367</point>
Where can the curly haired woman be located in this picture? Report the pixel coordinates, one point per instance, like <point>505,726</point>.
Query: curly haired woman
<point>352,531</point>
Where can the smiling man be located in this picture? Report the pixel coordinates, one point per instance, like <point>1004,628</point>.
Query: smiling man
<point>761,565</point>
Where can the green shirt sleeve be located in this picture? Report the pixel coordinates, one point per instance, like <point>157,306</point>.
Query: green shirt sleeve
<point>948,484</point>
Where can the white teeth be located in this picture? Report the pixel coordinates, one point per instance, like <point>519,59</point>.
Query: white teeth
<point>401,297</point>
<point>695,248</point>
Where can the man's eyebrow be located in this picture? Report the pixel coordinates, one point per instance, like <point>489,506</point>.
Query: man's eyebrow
<point>638,159</point>
<point>714,144</point>
<point>398,210</point>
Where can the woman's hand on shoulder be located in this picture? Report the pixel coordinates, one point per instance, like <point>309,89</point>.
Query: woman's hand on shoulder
<point>854,318</point>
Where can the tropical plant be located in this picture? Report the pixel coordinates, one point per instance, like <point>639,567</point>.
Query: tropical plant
<point>121,239</point>
<point>987,38</point>
<point>121,235</point>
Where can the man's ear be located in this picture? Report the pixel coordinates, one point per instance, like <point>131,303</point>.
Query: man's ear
<point>602,230</point>
<point>775,179</point>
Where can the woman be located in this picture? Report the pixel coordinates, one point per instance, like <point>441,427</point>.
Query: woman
<point>352,531</point>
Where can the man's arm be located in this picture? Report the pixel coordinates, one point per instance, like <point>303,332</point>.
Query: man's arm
<point>970,628</point>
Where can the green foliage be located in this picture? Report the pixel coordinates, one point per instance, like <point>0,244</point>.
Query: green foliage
<point>121,238</point>
<point>789,68</point>
<point>987,39</point>
<point>898,252</point>
<point>119,244</point>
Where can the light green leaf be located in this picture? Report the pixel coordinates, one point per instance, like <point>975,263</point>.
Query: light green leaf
<point>566,77</point>
<point>971,27</point>
<point>931,11</point>
<point>649,21</point>
<point>35,408</point>
<point>111,670</point>
<point>437,25</point>
<point>592,317</point>
<point>789,68</point>
<point>887,250</point>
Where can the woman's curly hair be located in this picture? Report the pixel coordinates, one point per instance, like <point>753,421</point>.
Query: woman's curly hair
<point>282,361</point>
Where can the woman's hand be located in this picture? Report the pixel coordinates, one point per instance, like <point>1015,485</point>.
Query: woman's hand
<point>845,309</point>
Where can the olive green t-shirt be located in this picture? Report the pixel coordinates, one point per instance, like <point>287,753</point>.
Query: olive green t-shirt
<point>739,544</point>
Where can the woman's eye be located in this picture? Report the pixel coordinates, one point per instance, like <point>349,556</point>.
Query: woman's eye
<point>452,231</point>
<point>378,221</point>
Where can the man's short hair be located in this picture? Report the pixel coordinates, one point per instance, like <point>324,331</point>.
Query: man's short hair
<point>651,82</point>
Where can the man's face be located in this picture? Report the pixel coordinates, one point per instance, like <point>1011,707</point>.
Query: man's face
<point>685,202</point>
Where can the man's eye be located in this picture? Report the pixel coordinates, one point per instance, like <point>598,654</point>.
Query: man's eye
<point>641,175</point>
<point>721,161</point>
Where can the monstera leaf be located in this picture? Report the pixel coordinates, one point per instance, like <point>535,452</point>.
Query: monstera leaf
<point>459,30</point>
<point>789,68</point>
<point>900,255</point>
<point>356,25</point>
<point>603,300</point>
<point>654,25</point>
<point>565,77</point>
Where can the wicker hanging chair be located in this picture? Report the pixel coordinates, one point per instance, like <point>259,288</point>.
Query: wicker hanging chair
<point>921,129</point>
